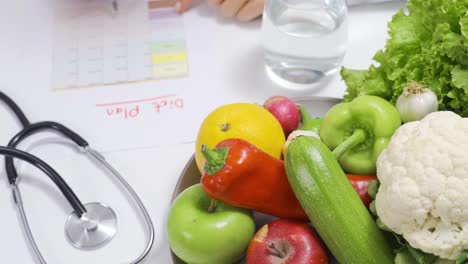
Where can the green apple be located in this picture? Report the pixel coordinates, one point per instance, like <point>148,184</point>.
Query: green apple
<point>198,234</point>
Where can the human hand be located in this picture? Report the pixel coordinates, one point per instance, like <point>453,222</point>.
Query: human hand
<point>243,10</point>
<point>182,5</point>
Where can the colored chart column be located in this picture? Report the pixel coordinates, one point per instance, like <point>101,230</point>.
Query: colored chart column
<point>169,55</point>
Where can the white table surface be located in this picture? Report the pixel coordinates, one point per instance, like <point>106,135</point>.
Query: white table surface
<point>233,72</point>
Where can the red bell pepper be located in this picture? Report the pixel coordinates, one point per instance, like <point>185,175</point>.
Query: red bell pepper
<point>360,183</point>
<point>239,174</point>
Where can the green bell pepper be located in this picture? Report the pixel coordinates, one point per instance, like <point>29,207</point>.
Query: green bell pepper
<point>358,132</point>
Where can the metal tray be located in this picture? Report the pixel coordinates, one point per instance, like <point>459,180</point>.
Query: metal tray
<point>317,106</point>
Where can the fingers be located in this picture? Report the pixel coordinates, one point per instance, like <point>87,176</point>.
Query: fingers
<point>251,10</point>
<point>244,10</point>
<point>215,2</point>
<point>182,5</point>
<point>230,8</point>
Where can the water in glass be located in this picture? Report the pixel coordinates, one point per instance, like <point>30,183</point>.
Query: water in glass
<point>304,40</point>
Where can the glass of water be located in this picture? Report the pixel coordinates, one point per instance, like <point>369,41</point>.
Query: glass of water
<point>304,41</point>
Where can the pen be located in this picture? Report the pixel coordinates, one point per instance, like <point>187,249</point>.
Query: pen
<point>115,5</point>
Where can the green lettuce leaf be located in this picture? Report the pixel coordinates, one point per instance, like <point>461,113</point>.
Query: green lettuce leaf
<point>460,78</point>
<point>354,80</point>
<point>428,43</point>
<point>464,26</point>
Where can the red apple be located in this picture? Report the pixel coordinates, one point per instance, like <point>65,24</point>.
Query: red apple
<point>273,99</point>
<point>286,112</point>
<point>286,242</point>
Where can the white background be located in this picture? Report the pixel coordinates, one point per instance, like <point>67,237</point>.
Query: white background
<point>225,61</point>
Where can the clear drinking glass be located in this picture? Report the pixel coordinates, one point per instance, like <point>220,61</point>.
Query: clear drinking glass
<point>304,41</point>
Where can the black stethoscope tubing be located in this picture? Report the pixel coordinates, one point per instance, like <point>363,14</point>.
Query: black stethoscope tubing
<point>33,160</point>
<point>15,109</point>
<point>30,129</point>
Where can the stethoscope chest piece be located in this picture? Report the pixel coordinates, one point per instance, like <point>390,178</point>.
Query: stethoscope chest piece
<point>94,228</point>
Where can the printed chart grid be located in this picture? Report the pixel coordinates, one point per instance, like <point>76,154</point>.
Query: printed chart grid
<point>95,47</point>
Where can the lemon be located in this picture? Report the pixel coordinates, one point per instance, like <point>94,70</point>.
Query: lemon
<point>247,121</point>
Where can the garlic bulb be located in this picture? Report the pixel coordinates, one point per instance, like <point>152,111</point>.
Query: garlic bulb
<point>416,102</point>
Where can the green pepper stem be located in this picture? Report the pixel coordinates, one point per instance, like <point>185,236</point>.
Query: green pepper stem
<point>307,122</point>
<point>356,138</point>
<point>305,116</point>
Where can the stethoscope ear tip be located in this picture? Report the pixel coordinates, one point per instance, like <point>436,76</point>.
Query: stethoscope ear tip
<point>93,229</point>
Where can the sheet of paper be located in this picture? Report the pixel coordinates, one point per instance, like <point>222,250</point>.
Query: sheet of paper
<point>125,69</point>
<point>96,43</point>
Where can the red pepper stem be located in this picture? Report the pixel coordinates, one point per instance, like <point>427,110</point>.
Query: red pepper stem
<point>356,138</point>
<point>212,206</point>
<point>215,158</point>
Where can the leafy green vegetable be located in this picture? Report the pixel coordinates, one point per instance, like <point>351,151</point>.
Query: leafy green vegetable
<point>373,188</point>
<point>429,44</point>
<point>406,254</point>
<point>463,259</point>
<point>404,257</point>
<point>409,255</point>
<point>421,257</point>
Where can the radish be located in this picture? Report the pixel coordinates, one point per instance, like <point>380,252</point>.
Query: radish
<point>286,111</point>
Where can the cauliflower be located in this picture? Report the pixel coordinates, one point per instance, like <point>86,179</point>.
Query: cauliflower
<point>423,174</point>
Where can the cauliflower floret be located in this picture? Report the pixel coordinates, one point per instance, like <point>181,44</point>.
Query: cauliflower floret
<point>423,193</point>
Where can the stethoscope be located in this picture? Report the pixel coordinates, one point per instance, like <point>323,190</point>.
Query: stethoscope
<point>89,226</point>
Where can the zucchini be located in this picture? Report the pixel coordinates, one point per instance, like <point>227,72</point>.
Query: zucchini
<point>333,206</point>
